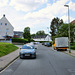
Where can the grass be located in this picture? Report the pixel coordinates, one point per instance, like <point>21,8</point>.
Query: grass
<point>73,46</point>
<point>6,48</point>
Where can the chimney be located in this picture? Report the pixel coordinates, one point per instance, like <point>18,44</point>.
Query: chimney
<point>4,15</point>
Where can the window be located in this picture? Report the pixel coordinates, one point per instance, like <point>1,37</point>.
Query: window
<point>5,23</point>
<point>7,30</point>
<point>1,23</point>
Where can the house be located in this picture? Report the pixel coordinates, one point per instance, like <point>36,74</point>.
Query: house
<point>18,34</point>
<point>73,22</point>
<point>6,29</point>
<point>41,38</point>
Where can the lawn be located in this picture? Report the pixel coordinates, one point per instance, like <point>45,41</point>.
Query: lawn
<point>6,48</point>
<point>73,46</point>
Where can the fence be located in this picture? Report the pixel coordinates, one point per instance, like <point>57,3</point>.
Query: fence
<point>7,41</point>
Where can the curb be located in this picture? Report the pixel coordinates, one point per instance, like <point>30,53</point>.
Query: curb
<point>1,69</point>
<point>69,54</point>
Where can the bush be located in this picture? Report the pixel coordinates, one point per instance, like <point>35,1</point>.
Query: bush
<point>19,40</point>
<point>73,46</point>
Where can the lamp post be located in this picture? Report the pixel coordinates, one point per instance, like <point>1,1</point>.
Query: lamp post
<point>69,26</point>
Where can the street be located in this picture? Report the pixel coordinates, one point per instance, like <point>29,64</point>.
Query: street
<point>47,62</point>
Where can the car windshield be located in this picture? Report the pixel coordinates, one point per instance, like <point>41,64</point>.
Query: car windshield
<point>27,47</point>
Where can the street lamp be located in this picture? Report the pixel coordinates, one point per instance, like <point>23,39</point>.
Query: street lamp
<point>69,26</point>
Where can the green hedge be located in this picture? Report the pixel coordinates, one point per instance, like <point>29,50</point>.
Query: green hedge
<point>19,40</point>
<point>73,46</point>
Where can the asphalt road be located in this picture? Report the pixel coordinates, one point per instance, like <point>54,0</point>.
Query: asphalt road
<point>48,62</point>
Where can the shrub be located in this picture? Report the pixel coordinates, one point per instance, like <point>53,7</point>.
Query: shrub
<point>19,40</point>
<point>73,45</point>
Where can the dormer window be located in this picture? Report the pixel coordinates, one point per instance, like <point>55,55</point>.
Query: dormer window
<point>5,23</point>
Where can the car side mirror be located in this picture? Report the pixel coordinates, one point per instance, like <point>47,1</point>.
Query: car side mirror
<point>20,48</point>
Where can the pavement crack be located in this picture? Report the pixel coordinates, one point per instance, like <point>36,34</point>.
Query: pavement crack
<point>53,67</point>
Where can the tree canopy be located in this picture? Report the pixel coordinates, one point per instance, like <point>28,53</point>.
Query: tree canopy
<point>40,32</point>
<point>55,25</point>
<point>60,29</point>
<point>26,33</point>
<point>64,31</point>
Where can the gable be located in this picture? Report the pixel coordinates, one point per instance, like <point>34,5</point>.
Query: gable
<point>5,22</point>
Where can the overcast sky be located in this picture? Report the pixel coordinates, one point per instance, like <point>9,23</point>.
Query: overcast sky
<point>36,14</point>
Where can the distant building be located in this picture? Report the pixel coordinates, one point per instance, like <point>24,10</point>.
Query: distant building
<point>6,29</point>
<point>41,38</point>
<point>73,22</point>
<point>18,34</point>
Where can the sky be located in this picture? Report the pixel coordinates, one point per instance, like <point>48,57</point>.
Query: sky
<point>36,14</point>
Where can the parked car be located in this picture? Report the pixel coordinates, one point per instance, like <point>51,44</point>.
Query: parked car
<point>45,43</point>
<point>49,44</point>
<point>27,51</point>
<point>36,45</point>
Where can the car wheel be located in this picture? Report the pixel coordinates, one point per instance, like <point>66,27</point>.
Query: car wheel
<point>65,49</point>
<point>21,57</point>
<point>35,56</point>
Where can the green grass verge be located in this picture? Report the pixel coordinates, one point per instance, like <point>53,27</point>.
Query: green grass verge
<point>73,46</point>
<point>6,48</point>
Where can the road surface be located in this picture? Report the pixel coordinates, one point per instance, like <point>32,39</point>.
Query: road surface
<point>48,62</point>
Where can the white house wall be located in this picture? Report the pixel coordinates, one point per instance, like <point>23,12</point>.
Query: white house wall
<point>39,39</point>
<point>48,38</point>
<point>3,27</point>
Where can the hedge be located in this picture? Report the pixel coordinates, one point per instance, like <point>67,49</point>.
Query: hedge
<point>19,40</point>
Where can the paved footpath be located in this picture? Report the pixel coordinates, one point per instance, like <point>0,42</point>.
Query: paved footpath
<point>7,59</point>
<point>72,52</point>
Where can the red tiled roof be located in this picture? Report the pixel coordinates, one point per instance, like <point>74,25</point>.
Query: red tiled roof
<point>73,22</point>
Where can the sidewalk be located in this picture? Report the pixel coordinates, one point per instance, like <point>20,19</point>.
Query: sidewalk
<point>7,59</point>
<point>72,52</point>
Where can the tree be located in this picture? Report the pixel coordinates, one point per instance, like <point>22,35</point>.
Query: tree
<point>26,33</point>
<point>64,31</point>
<point>40,32</point>
<point>55,25</point>
<point>33,35</point>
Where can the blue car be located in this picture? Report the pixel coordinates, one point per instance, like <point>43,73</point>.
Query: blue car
<point>27,51</point>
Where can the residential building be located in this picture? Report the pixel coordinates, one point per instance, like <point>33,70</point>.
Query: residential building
<point>41,38</point>
<point>18,34</point>
<point>6,29</point>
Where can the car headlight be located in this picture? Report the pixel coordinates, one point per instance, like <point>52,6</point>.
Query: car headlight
<point>21,52</point>
<point>33,52</point>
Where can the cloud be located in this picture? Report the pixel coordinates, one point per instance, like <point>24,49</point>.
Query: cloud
<point>65,19</point>
<point>27,5</point>
<point>3,3</point>
<point>36,20</point>
<point>72,6</point>
<point>48,12</point>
